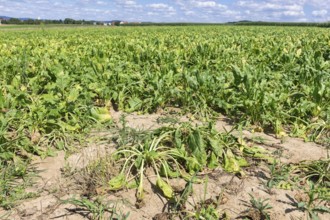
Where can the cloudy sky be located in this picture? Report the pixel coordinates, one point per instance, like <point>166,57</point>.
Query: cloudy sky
<point>170,10</point>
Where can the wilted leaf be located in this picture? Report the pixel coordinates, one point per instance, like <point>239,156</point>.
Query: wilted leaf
<point>117,182</point>
<point>101,114</point>
<point>165,187</point>
<point>231,164</point>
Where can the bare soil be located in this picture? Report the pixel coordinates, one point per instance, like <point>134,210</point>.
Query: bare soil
<point>55,183</point>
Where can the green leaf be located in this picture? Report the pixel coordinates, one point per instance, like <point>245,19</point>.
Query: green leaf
<point>242,162</point>
<point>166,171</point>
<point>321,209</point>
<point>298,53</point>
<point>165,188</point>
<point>138,161</point>
<point>231,164</point>
<point>314,216</point>
<point>101,114</point>
<point>217,148</point>
<point>190,178</point>
<point>118,182</point>
<point>193,165</point>
<point>73,95</point>
<point>67,127</point>
<point>301,204</point>
<point>7,155</point>
<point>197,147</point>
<point>213,161</point>
<point>284,185</point>
<point>258,152</point>
<point>134,104</point>
<point>177,137</point>
<point>132,184</point>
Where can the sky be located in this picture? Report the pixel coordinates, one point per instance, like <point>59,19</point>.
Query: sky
<point>171,10</point>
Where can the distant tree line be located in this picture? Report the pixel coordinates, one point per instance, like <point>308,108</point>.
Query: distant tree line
<point>170,24</point>
<point>39,21</point>
<point>298,24</point>
<point>243,23</point>
<point>84,22</point>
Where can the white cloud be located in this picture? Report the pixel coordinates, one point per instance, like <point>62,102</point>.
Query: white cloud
<point>101,3</point>
<point>171,10</point>
<point>159,5</point>
<point>272,10</point>
<point>189,12</point>
<point>160,8</point>
<point>206,4</point>
<point>261,6</point>
<point>293,13</point>
<point>320,13</point>
<point>129,3</point>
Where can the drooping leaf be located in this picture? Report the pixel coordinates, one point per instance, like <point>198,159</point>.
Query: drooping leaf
<point>118,182</point>
<point>213,161</point>
<point>101,114</point>
<point>231,163</point>
<point>197,146</point>
<point>165,188</point>
<point>166,171</point>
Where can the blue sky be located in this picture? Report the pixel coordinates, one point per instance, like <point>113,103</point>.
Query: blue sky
<point>170,10</point>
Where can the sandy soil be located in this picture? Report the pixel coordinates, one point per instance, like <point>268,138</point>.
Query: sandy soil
<point>53,186</point>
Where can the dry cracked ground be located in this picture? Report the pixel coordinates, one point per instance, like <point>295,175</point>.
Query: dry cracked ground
<point>58,180</point>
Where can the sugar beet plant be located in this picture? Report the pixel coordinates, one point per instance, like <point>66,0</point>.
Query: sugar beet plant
<point>181,151</point>
<point>263,77</point>
<point>55,84</point>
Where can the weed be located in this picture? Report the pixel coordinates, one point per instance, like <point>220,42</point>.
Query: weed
<point>311,203</point>
<point>97,209</point>
<point>318,171</point>
<point>129,136</point>
<point>259,209</point>
<point>168,119</point>
<point>204,209</point>
<point>15,177</point>
<point>279,176</point>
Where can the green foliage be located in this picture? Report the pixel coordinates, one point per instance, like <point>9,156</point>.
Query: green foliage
<point>59,79</point>
<point>10,189</point>
<point>259,209</point>
<point>179,151</point>
<point>279,176</point>
<point>204,209</point>
<point>289,176</point>
<point>313,204</point>
<point>97,209</point>
<point>57,84</point>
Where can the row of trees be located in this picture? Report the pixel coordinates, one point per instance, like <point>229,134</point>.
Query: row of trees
<point>37,21</point>
<point>84,22</point>
<point>263,23</point>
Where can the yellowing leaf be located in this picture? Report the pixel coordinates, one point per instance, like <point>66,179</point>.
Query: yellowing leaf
<point>231,164</point>
<point>101,114</point>
<point>166,188</point>
<point>298,53</point>
<point>117,182</point>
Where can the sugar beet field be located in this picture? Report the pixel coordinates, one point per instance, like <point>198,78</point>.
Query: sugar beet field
<point>195,122</point>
